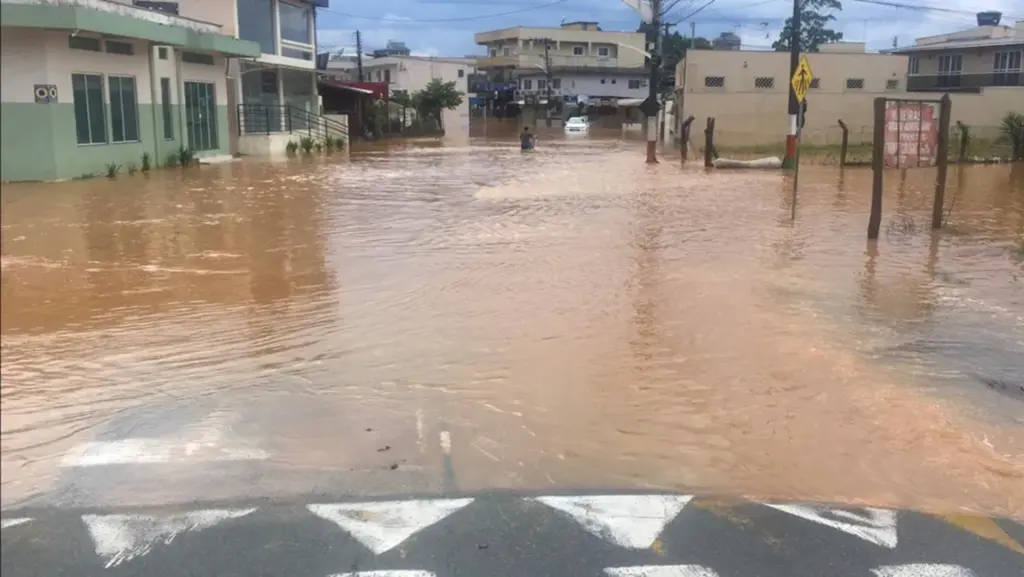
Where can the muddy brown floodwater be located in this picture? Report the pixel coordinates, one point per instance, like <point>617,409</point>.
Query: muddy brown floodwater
<point>568,318</point>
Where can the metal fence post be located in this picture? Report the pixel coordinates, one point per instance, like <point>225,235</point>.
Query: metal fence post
<point>266,118</point>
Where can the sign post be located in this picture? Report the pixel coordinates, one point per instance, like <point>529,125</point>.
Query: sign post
<point>801,83</point>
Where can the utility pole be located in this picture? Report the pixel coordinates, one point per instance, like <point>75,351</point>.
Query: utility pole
<point>794,106</point>
<point>547,76</point>
<point>652,96</point>
<point>359,55</point>
<point>665,93</point>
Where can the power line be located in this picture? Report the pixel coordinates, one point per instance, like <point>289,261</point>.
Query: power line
<point>923,8</point>
<point>459,19</point>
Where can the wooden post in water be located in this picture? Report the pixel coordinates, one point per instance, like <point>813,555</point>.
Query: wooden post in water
<point>684,135</point>
<point>709,142</point>
<point>942,161</point>
<point>846,142</point>
<point>877,165</point>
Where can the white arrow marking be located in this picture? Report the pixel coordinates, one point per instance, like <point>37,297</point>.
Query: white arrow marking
<point>661,571</point>
<point>386,573</point>
<point>632,521</point>
<point>382,525</point>
<point>923,570</point>
<point>5,523</point>
<point>120,538</point>
<point>878,527</point>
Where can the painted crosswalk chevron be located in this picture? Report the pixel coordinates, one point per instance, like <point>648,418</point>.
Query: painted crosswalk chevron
<point>383,525</point>
<point>632,521</point>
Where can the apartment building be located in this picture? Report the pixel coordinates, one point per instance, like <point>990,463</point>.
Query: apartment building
<point>967,61</point>
<point>91,82</point>
<point>582,62</point>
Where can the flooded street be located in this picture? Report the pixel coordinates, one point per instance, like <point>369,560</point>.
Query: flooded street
<point>567,318</point>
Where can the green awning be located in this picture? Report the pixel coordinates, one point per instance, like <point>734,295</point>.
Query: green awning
<point>124,25</point>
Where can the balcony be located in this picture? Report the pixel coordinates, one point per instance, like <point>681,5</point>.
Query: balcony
<point>962,82</point>
<point>497,61</point>
<point>558,61</point>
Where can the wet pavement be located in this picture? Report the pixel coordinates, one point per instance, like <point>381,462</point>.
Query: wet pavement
<point>437,317</point>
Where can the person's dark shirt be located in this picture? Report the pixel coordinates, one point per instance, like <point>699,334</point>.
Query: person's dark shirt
<point>525,139</point>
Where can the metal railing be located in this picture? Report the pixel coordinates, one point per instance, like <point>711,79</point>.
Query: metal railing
<point>962,82</point>
<point>285,118</point>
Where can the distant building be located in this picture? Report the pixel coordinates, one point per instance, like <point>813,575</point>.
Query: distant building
<point>393,48</point>
<point>970,60</point>
<point>726,41</point>
<point>587,64</point>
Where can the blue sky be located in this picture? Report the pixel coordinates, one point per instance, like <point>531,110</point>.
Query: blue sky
<point>446,27</point>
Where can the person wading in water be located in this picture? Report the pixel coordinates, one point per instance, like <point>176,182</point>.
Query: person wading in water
<point>526,140</point>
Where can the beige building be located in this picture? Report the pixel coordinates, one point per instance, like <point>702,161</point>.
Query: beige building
<point>412,73</point>
<point>572,45</point>
<point>586,62</point>
<point>747,92</point>
<point>968,60</point>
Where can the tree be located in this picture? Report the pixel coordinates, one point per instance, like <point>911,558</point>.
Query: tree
<point>436,96</point>
<point>814,16</point>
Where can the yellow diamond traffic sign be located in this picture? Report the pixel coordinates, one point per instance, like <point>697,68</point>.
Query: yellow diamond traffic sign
<point>802,79</point>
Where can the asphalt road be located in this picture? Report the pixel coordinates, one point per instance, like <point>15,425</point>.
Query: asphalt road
<point>502,534</point>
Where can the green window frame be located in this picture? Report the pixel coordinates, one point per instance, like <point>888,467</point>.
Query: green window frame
<point>90,116</point>
<point>165,107</point>
<point>124,109</point>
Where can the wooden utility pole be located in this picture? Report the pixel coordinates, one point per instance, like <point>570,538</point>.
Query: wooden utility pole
<point>942,160</point>
<point>548,79</point>
<point>359,55</point>
<point>652,95</point>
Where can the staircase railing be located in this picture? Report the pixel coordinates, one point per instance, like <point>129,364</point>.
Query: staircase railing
<point>286,118</point>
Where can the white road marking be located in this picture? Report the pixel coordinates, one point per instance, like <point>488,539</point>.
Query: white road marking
<point>661,571</point>
<point>923,570</point>
<point>386,573</point>
<point>446,443</point>
<point>421,434</point>
<point>879,527</point>
<point>150,451</point>
<point>121,538</point>
<point>632,521</point>
<point>5,523</point>
<point>381,525</point>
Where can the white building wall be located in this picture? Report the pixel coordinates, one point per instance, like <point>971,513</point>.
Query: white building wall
<point>23,62</point>
<point>613,86</point>
<point>61,62</point>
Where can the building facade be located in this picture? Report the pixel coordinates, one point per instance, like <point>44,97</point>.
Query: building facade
<point>109,80</point>
<point>988,55</point>
<point>88,83</point>
<point>747,92</point>
<point>582,63</point>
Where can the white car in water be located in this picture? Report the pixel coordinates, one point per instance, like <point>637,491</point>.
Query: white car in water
<point>577,125</point>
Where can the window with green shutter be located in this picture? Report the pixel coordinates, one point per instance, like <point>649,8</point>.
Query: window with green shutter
<point>124,109</point>
<point>90,121</point>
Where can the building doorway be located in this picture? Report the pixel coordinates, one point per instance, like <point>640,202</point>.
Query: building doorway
<point>201,116</point>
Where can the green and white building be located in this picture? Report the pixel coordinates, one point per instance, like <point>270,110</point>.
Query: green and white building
<point>86,83</point>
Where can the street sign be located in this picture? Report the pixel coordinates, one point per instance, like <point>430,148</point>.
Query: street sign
<point>802,78</point>
<point>650,106</point>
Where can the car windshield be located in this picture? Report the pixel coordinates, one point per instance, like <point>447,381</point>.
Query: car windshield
<point>336,312</point>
